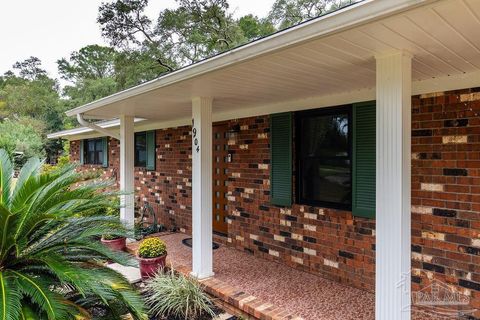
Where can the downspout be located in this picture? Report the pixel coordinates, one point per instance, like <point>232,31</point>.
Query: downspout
<point>95,127</point>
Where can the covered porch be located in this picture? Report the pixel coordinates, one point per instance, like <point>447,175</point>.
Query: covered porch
<point>383,51</point>
<point>268,290</point>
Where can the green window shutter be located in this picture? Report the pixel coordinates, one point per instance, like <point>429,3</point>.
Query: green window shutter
<point>82,152</point>
<point>281,159</point>
<point>364,159</point>
<point>105,152</point>
<point>150,150</point>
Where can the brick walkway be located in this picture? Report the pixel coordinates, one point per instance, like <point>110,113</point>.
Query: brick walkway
<point>271,290</point>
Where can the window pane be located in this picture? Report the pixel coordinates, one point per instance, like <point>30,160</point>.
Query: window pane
<point>324,158</point>
<point>141,149</point>
<point>94,151</point>
<point>91,145</point>
<point>327,181</point>
<point>326,136</point>
<point>91,157</point>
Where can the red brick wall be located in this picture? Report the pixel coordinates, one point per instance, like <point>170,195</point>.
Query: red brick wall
<point>446,191</point>
<point>326,241</point>
<point>445,200</point>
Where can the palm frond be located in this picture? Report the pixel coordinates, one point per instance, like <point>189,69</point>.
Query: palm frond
<point>6,175</point>
<point>51,259</point>
<point>55,306</point>
<point>29,171</point>
<point>29,314</point>
<point>10,296</point>
<point>7,223</point>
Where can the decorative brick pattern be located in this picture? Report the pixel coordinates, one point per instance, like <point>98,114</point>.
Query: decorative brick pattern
<point>446,192</point>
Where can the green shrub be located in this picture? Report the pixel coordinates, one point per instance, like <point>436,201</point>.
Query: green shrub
<point>63,160</point>
<point>175,295</point>
<point>49,256</point>
<point>152,248</point>
<point>110,236</point>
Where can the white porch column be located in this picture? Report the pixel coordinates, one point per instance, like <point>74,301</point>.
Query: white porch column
<point>202,255</point>
<point>393,232</point>
<point>127,156</point>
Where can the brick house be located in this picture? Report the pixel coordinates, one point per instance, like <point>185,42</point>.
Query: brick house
<point>347,146</point>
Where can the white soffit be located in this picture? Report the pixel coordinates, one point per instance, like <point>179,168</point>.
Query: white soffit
<point>443,36</point>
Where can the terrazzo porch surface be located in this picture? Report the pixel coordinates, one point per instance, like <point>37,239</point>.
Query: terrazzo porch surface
<point>306,295</point>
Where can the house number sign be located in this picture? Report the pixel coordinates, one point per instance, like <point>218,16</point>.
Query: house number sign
<point>196,144</point>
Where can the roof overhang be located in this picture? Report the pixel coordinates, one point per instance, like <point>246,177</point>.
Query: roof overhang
<point>325,61</point>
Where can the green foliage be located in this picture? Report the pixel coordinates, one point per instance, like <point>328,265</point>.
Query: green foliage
<point>29,98</point>
<point>88,90</point>
<point>133,67</point>
<point>90,62</point>
<point>110,236</point>
<point>198,29</point>
<point>50,262</point>
<point>286,13</point>
<point>91,70</point>
<point>21,139</point>
<point>175,295</point>
<point>63,160</point>
<point>152,248</point>
<point>33,95</point>
<point>192,31</point>
<point>30,68</point>
<point>254,27</point>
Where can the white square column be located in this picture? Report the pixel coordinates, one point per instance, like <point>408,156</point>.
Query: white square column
<point>202,252</point>
<point>127,166</point>
<point>393,231</point>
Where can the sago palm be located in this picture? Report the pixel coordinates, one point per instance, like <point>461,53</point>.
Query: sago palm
<point>51,262</point>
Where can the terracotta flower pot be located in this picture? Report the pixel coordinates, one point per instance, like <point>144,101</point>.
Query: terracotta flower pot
<point>116,244</point>
<point>149,266</point>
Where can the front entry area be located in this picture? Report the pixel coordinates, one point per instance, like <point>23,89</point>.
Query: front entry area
<point>220,179</point>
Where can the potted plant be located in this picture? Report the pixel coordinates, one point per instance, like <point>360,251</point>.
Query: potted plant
<point>114,242</point>
<point>152,254</point>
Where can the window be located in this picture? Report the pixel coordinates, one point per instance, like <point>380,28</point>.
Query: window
<point>323,151</point>
<point>93,151</point>
<point>141,149</point>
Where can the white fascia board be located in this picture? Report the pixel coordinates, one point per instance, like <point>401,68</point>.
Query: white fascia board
<point>343,19</point>
<point>82,130</point>
<point>138,128</point>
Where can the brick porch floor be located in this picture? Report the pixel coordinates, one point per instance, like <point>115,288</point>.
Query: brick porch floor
<point>271,290</point>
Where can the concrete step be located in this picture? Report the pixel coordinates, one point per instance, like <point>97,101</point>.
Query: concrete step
<point>132,274</point>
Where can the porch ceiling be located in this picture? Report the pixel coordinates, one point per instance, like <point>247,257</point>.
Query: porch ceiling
<point>442,35</point>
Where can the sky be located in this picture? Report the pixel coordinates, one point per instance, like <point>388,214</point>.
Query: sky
<point>52,29</point>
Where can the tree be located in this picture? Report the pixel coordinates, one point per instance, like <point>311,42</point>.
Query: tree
<point>22,139</point>
<point>198,29</point>
<point>90,62</point>
<point>30,95</point>
<point>30,68</point>
<point>133,67</point>
<point>32,98</point>
<point>286,13</point>
<point>50,259</point>
<point>124,24</point>
<point>254,27</point>
<point>193,31</point>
